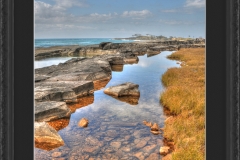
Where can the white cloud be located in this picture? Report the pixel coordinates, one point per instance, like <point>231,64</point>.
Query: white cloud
<point>138,14</point>
<point>69,3</point>
<point>176,22</point>
<point>52,14</point>
<point>195,3</point>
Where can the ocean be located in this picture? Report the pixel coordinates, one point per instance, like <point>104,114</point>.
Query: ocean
<point>75,41</point>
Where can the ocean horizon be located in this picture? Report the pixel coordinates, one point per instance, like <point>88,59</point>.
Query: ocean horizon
<point>49,42</point>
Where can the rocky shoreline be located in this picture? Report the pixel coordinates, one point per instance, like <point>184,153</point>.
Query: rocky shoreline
<point>58,86</point>
<point>136,48</point>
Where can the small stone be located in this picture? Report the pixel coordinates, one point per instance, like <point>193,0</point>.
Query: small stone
<point>112,133</point>
<point>153,156</point>
<point>149,124</point>
<point>155,127</point>
<point>141,144</point>
<point>139,155</point>
<point>127,137</point>
<point>56,154</point>
<point>83,122</point>
<point>155,132</point>
<point>164,150</point>
<point>116,144</point>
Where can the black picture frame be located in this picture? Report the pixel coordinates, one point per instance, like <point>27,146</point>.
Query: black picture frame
<point>16,79</point>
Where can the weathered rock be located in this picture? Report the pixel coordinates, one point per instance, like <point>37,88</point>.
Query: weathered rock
<point>149,124</point>
<point>51,110</point>
<point>77,69</point>
<point>155,127</point>
<point>46,137</point>
<point>138,48</point>
<point>67,91</point>
<point>125,89</point>
<point>164,150</point>
<point>83,122</point>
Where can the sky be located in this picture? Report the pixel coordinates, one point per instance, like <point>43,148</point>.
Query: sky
<point>119,18</point>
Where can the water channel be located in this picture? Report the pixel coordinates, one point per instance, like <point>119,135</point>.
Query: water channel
<point>115,129</point>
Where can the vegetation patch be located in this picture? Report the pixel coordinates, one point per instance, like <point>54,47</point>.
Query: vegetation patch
<point>184,99</point>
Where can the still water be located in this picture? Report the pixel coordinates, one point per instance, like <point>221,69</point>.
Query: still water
<point>115,129</point>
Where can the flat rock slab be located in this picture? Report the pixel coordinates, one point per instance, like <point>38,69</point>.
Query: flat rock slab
<point>125,89</point>
<point>51,110</point>
<point>76,69</point>
<point>67,91</point>
<point>46,137</point>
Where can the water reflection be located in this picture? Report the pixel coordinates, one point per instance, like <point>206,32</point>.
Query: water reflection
<point>132,100</point>
<point>117,68</point>
<point>115,129</point>
<point>59,123</point>
<point>81,102</point>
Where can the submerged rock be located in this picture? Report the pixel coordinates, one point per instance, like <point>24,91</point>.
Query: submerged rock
<point>46,137</point>
<point>83,122</point>
<point>51,110</point>
<point>149,124</point>
<point>125,89</point>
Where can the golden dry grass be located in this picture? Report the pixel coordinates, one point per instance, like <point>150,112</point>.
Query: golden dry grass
<point>185,99</point>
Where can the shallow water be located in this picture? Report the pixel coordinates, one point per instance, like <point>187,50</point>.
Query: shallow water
<point>76,41</point>
<point>50,61</point>
<point>115,129</point>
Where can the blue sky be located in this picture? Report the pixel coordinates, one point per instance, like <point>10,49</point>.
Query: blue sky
<point>118,18</point>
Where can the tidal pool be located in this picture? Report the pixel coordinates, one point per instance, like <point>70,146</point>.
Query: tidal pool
<point>115,129</point>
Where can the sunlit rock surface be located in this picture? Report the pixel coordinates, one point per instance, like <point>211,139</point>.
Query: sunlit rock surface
<point>125,89</point>
<point>46,137</point>
<point>83,122</point>
<point>51,110</point>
